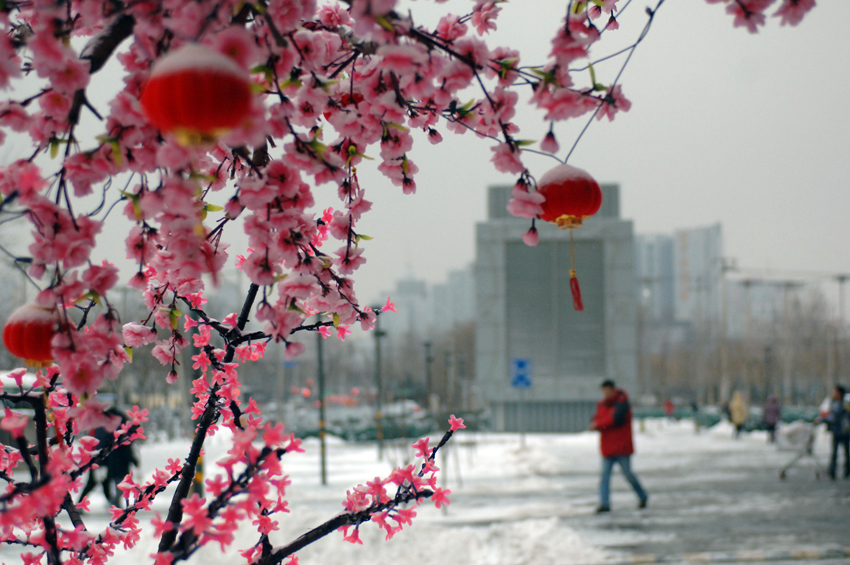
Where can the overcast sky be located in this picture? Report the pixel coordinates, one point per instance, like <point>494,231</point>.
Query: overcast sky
<point>749,130</point>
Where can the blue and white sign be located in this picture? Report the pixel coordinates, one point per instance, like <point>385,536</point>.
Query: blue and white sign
<point>521,373</point>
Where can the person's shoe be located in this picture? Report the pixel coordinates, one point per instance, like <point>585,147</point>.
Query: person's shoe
<point>602,508</point>
<point>643,502</point>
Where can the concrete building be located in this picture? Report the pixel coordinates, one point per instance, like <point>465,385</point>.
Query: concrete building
<point>412,300</point>
<point>698,274</point>
<point>527,330</point>
<point>453,302</point>
<point>654,262</point>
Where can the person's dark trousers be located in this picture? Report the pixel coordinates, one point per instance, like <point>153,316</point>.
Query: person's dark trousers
<point>605,484</point>
<point>839,442</point>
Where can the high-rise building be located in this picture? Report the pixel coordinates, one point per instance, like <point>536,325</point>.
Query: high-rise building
<point>527,330</point>
<point>654,262</point>
<point>698,269</point>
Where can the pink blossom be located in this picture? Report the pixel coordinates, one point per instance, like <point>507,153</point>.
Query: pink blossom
<point>792,11</point>
<point>613,102</point>
<point>293,350</point>
<point>333,15</point>
<point>506,159</point>
<point>353,537</point>
<point>17,375</point>
<point>531,238</point>
<point>749,13</point>
<point>265,524</point>
<point>439,497</point>
<point>456,423</point>
<point>525,204</point>
<point>450,28</point>
<point>484,16</point>
<point>14,423</point>
<point>549,143</point>
<point>101,278</point>
<point>237,43</point>
<point>138,416</point>
<point>349,260</point>
<point>421,448</point>
<point>137,335</point>
<point>90,414</point>
<point>195,515</point>
<point>342,331</point>
<point>389,306</point>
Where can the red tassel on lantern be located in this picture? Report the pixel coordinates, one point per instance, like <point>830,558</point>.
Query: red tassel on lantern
<point>572,196</point>
<point>28,333</point>
<point>574,288</point>
<point>196,93</point>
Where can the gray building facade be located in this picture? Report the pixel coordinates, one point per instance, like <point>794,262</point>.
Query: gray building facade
<point>526,317</point>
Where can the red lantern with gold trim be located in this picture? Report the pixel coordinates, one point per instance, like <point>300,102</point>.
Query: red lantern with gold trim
<point>28,333</point>
<point>572,196</point>
<point>196,93</point>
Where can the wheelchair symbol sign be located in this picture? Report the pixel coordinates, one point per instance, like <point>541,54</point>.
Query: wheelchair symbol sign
<point>521,373</point>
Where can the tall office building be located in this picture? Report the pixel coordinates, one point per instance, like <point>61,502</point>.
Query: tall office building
<point>527,331</point>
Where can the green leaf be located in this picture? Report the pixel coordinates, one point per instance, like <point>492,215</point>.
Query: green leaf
<point>175,314</point>
<point>384,23</point>
<point>129,351</point>
<point>54,148</point>
<point>213,208</point>
<point>397,126</point>
<point>336,320</point>
<point>116,152</point>
<point>294,307</point>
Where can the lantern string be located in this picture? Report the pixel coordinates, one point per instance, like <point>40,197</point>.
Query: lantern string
<point>574,287</point>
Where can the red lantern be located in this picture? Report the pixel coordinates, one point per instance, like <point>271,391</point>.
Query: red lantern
<point>28,333</point>
<point>571,197</point>
<point>196,92</point>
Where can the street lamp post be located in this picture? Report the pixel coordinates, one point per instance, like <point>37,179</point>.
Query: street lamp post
<point>726,265</point>
<point>320,368</point>
<point>379,407</point>
<point>428,388</point>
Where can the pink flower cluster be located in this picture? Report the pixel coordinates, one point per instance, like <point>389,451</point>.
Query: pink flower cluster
<point>751,14</point>
<point>374,503</point>
<point>335,87</point>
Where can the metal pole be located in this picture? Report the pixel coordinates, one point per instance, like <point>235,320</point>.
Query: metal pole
<point>379,407</point>
<point>726,265</point>
<point>840,335</point>
<point>450,393</point>
<point>321,379</point>
<point>280,383</point>
<point>428,360</point>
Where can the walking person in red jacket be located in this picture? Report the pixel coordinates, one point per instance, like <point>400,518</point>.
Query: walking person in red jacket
<point>613,419</point>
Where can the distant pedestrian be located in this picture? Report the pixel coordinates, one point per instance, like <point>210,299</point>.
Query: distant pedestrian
<point>771,416</point>
<point>838,421</point>
<point>669,409</point>
<point>739,413</point>
<point>116,466</point>
<point>613,419</point>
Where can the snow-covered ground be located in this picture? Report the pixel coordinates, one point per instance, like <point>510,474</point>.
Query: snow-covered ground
<point>534,504</point>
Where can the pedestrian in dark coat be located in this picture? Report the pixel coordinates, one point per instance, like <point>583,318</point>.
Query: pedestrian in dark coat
<point>771,416</point>
<point>838,421</point>
<point>613,419</point>
<point>117,465</point>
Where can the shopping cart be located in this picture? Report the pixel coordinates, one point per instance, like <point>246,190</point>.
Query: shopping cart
<point>800,438</point>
